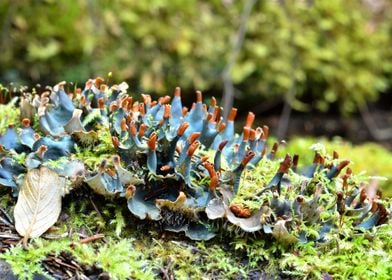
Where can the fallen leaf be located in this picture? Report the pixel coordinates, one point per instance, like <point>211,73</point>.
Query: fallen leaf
<point>39,202</point>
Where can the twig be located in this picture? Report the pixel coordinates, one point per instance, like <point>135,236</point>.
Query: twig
<point>228,88</point>
<point>96,209</point>
<point>7,215</point>
<point>92,238</point>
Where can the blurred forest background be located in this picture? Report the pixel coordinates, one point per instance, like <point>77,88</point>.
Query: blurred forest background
<point>303,66</point>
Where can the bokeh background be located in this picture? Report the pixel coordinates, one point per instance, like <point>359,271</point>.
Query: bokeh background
<point>305,67</point>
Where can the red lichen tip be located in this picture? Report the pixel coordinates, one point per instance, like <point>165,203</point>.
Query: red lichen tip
<point>233,114</point>
<point>275,148</point>
<point>199,96</point>
<point>26,123</point>
<point>193,137</point>
<point>177,92</point>
<point>250,119</point>
<point>249,155</point>
<point>152,142</point>
<point>142,129</point>
<point>165,168</point>
<point>182,128</point>
<point>101,103</point>
<point>102,166</point>
<point>342,165</point>
<point>349,171</point>
<point>123,125</point>
<point>285,164</point>
<point>222,145</point>
<point>192,148</point>
<point>132,128</point>
<point>246,132</point>
<point>335,155</point>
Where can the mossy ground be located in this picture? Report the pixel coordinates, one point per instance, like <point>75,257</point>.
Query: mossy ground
<point>131,248</point>
<point>140,250</point>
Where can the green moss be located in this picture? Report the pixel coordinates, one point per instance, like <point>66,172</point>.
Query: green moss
<point>9,115</point>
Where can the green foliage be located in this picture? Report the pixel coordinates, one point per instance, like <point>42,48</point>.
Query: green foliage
<point>337,51</point>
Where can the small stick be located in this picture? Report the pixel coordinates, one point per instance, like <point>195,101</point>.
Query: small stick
<point>6,215</point>
<point>92,238</point>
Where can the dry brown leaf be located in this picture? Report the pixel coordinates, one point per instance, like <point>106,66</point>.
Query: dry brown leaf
<point>39,202</point>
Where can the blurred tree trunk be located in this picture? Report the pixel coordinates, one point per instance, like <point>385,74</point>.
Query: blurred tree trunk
<point>228,87</point>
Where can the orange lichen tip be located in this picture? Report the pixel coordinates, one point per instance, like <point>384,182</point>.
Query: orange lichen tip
<point>132,128</point>
<point>124,126</point>
<point>164,100</point>
<point>26,122</point>
<point>192,148</point>
<point>250,119</point>
<point>142,129</point>
<point>193,137</point>
<point>101,103</point>
<point>233,114</point>
<point>177,92</point>
<point>249,155</point>
<point>152,142</point>
<point>115,141</point>
<point>246,132</point>
<point>199,96</point>
<point>166,112</point>
<point>285,164</point>
<point>182,128</point>
<point>265,132</point>
<point>222,144</point>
